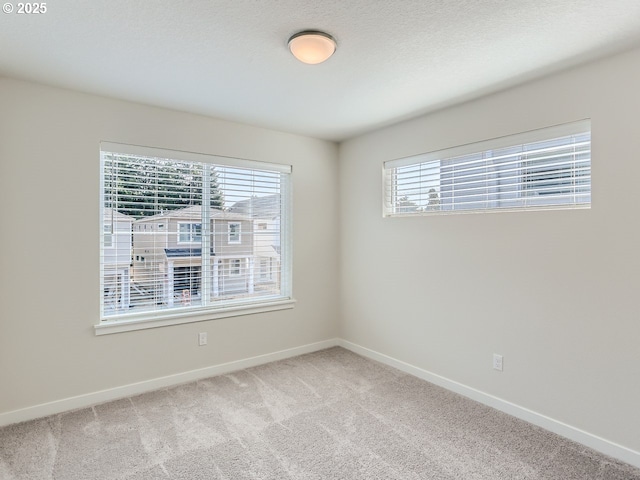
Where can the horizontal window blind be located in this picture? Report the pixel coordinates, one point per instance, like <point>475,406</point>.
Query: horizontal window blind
<point>548,168</point>
<point>183,232</point>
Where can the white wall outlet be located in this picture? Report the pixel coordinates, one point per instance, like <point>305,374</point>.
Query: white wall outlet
<point>497,362</point>
<point>202,338</point>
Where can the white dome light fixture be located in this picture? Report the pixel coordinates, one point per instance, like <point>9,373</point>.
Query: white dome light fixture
<point>311,46</point>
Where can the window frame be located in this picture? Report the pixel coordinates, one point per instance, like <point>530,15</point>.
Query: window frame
<point>193,234</point>
<point>444,166</point>
<point>237,233</point>
<point>281,299</point>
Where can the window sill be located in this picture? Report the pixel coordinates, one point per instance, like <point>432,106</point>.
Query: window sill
<point>126,325</point>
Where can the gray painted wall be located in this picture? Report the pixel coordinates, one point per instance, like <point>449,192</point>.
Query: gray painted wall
<point>49,303</point>
<point>555,292</point>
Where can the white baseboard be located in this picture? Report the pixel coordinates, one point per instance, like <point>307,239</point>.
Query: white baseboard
<point>592,441</point>
<point>81,401</point>
<point>94,398</point>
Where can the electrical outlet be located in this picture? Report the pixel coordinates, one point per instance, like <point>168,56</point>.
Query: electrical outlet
<point>202,338</point>
<point>497,362</point>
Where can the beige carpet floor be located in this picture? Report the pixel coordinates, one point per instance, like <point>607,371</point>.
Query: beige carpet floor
<point>326,415</point>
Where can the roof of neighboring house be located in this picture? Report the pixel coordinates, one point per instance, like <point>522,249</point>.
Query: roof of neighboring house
<point>184,252</point>
<point>195,213</point>
<point>111,214</point>
<point>259,207</point>
<point>267,251</point>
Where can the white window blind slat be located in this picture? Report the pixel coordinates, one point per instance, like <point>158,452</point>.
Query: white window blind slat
<point>549,171</point>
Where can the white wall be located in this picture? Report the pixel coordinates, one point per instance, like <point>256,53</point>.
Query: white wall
<point>555,292</point>
<point>49,254</point>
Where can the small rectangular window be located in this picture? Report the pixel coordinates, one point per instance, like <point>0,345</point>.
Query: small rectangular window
<point>189,232</point>
<point>234,232</point>
<point>542,169</point>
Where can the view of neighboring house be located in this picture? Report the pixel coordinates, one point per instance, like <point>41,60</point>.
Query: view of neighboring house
<point>168,257</point>
<point>265,212</point>
<point>158,260</point>
<point>116,234</point>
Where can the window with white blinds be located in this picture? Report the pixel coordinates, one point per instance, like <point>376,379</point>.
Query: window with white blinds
<point>543,169</point>
<point>184,234</point>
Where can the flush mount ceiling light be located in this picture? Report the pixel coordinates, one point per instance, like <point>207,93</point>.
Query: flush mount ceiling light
<point>312,46</point>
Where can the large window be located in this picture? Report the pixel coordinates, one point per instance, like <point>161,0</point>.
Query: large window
<point>183,213</point>
<point>547,168</point>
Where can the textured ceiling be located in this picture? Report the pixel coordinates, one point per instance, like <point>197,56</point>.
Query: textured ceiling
<point>229,58</point>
